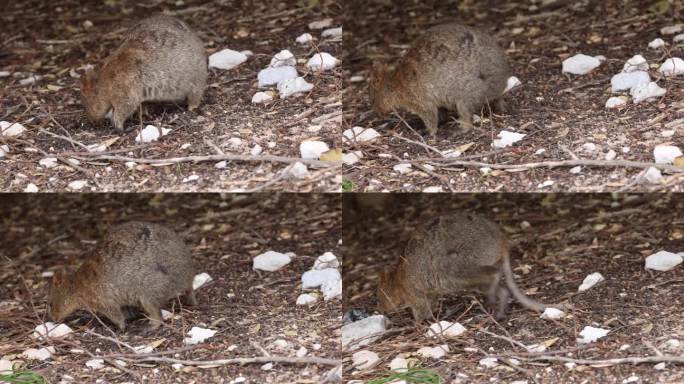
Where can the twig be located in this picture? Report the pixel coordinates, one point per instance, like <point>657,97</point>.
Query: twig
<point>428,148</point>
<point>607,362</point>
<point>276,179</point>
<point>241,360</point>
<point>510,340</point>
<point>71,141</point>
<point>198,159</point>
<point>562,163</point>
<point>112,339</point>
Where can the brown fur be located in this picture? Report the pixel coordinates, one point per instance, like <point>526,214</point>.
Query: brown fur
<point>450,66</point>
<point>452,254</point>
<point>137,264</point>
<point>160,60</point>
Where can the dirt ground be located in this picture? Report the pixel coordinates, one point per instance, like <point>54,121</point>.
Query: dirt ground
<point>51,39</point>
<point>249,309</point>
<point>558,113</point>
<point>557,240</point>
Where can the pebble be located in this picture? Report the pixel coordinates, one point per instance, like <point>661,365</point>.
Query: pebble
<point>304,38</point>
<point>198,335</point>
<point>322,62</point>
<point>283,58</point>
<point>312,149</point>
<point>41,354</point>
<point>261,97</point>
<point>332,32</point>
<point>580,64</point>
<point>11,129</point>
<point>434,352</point>
<point>295,86</point>
<point>653,175</point>
<point>272,76</point>
<point>591,280</point>
<point>200,279</point>
<point>298,171</point>
<point>306,299</point>
<point>590,334</point>
<point>636,63</point>
<point>226,59</point>
<point>506,139</point>
<point>666,154</point>
<point>316,278</point>
<point>656,43</point>
<point>445,329</point>
<point>628,80</point>
<point>326,260</point>
<point>271,261</point>
<point>615,102</point>
<point>360,134</point>
<point>363,332</point>
<point>672,67</point>
<point>663,261</point>
<point>151,133</point>
<point>551,313</point>
<point>647,92</point>
<point>363,360</point>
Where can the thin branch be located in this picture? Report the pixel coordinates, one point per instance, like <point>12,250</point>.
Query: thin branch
<point>240,360</point>
<point>607,362</point>
<point>428,148</point>
<point>199,159</point>
<point>558,163</point>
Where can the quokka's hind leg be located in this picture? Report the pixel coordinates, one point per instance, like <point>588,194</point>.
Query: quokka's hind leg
<point>195,98</point>
<point>189,298</point>
<point>153,311</point>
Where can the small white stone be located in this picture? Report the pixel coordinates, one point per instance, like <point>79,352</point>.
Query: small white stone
<point>190,178</point>
<point>130,164</point>
<point>283,58</point>
<point>666,154</point>
<point>41,354</point>
<point>653,175</point>
<point>489,362</point>
<point>398,364</point>
<point>150,133</point>
<point>299,171</point>
<point>306,299</point>
<point>280,345</point>
<point>267,367</point>
<point>360,134</point>
<point>672,345</point>
<point>589,147</point>
<point>332,32</point>
<point>445,329</point>
<point>200,279</point>
<point>678,39</point>
<point>540,151</point>
<point>5,74</point>
<point>235,142</point>
<point>292,87</point>
<point>434,352</point>
<point>636,63</point>
<point>320,24</point>
<point>570,365</point>
<point>576,170</point>
<point>256,150</point>
<point>545,184</point>
<point>551,313</point>
<point>48,162</point>
<point>95,364</point>
<point>312,149</point>
<point>402,168</point>
<point>485,170</point>
<point>31,188</point>
<point>4,150</point>
<point>226,59</point>
<point>511,83</point>
<point>656,43</point>
<point>506,139</point>
<point>326,260</point>
<point>647,92</point>
<point>301,352</point>
<point>363,360</point>
<point>270,261</point>
<point>77,185</point>
<point>615,102</point>
<point>30,80</point>
<point>591,280</point>
<point>198,335</point>
<point>238,380</point>
<point>364,331</point>
<point>671,30</point>
<point>316,278</point>
<point>177,366</point>
<point>304,38</point>
<point>624,81</point>
<point>590,334</point>
<point>322,62</point>
<point>221,164</point>
<point>331,289</point>
<point>672,67</point>
<point>611,155</point>
<point>11,129</point>
<point>272,76</point>
<point>663,261</point>
<point>261,97</point>
<point>667,133</point>
<point>433,189</point>
<point>659,366</point>
<point>580,64</point>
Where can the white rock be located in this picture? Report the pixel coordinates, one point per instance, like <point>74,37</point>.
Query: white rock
<point>672,345</point>
<point>627,80</point>
<point>656,43</point>
<point>540,151</point>
<point>316,278</point>
<point>365,360</point>
<point>433,189</point>
<point>659,366</point>
<point>177,366</point>
<point>402,168</point>
<point>364,331</point>
<point>322,62</point>
<point>150,133</point>
<point>615,102</point>
<point>256,150</point>
<point>398,364</point>
<point>95,364</point>
<point>352,158</point>
<point>511,83</point>
<point>667,133</point>
<point>190,178</point>
<point>30,80</point>
<point>298,171</point>
<point>601,58</point>
<point>221,164</point>
<point>270,261</point>
<point>283,58</point>
<point>261,97</point>
<point>445,329</point>
<point>272,76</point>
<point>301,352</point>
<point>551,313</point>
<point>48,162</point>
<point>671,30</point>
<point>200,279</point>
<point>576,170</point>
<point>360,134</point>
<point>304,38</point>
<point>5,365</point>
<point>672,67</point>
<point>588,147</point>
<point>52,330</point>
<point>610,155</point>
<point>434,352</point>
<point>663,261</point>
<point>591,280</point>
<point>198,335</point>
<point>325,261</point>
<point>590,334</point>
<point>238,380</point>
<point>489,362</point>
<point>306,299</point>
<point>4,150</point>
<point>570,365</point>
<point>39,354</point>
<point>331,289</point>
<point>235,142</point>
<point>536,348</point>
<point>677,39</point>
<point>485,170</point>
<point>312,149</point>
<point>325,23</point>
<point>290,87</point>
<point>636,63</point>
<point>226,59</point>
<point>130,164</point>
<point>506,139</point>
<point>11,129</point>
<point>647,92</point>
<point>280,345</point>
<point>77,185</point>
<point>653,175</point>
<point>31,188</point>
<point>332,32</point>
<point>5,74</point>
<point>267,367</point>
<point>580,64</point>
<point>666,154</point>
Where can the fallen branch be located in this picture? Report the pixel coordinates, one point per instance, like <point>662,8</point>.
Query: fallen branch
<point>556,164</point>
<point>606,362</point>
<point>199,159</point>
<point>239,360</point>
